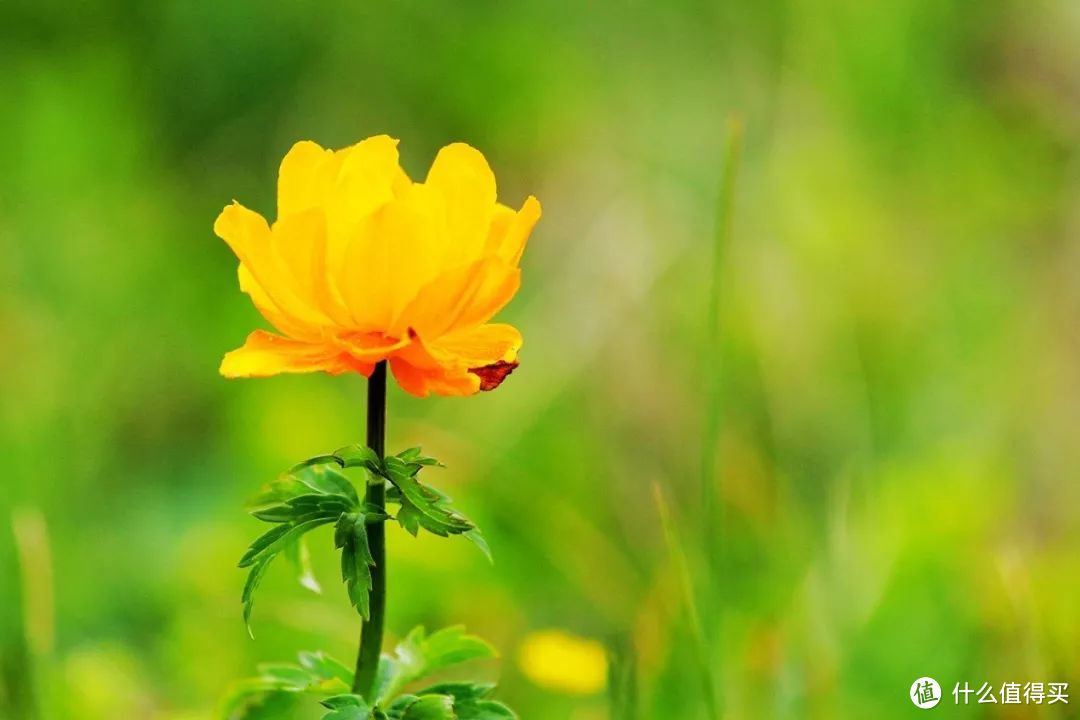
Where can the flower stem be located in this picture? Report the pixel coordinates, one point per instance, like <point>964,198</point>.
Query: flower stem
<point>371,635</point>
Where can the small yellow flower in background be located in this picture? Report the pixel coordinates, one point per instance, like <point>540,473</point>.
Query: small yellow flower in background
<point>364,265</point>
<point>557,660</point>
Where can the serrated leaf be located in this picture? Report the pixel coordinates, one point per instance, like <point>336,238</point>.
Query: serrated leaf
<point>298,554</point>
<point>430,707</point>
<point>423,506</point>
<point>347,707</point>
<point>304,507</point>
<point>322,665</point>
<point>486,710</point>
<point>252,700</point>
<point>266,547</point>
<point>462,691</point>
<point>285,676</point>
<point>247,596</point>
<point>358,456</point>
<point>325,479</point>
<point>274,540</point>
<point>317,674</point>
<point>356,560</point>
<point>477,538</point>
<point>414,456</point>
<point>344,700</point>
<point>471,700</point>
<point>419,655</point>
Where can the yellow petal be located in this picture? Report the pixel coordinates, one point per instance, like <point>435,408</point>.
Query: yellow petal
<point>477,347</point>
<point>304,177</point>
<point>368,174</point>
<point>461,363</point>
<point>393,254</point>
<point>300,242</point>
<point>264,276</point>
<point>459,299</point>
<point>269,309</point>
<point>510,230</point>
<point>463,178</point>
<point>264,354</point>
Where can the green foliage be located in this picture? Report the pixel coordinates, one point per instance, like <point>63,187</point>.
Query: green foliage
<point>308,496</point>
<point>315,492</point>
<point>418,656</point>
<point>471,700</point>
<point>420,505</point>
<point>351,538</point>
<point>277,686</point>
<point>349,707</point>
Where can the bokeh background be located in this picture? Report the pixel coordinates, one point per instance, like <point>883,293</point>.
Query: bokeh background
<point>871,457</point>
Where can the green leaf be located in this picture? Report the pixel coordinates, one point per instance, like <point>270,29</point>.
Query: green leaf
<point>270,543</point>
<point>247,597</point>
<point>262,542</point>
<point>250,700</point>
<point>419,655</point>
<point>477,538</point>
<point>422,505</point>
<point>277,684</point>
<point>278,539</point>
<point>413,456</point>
<point>471,700</point>
<point>298,554</point>
<point>325,479</point>
<point>319,475</point>
<point>430,707</point>
<point>350,536</point>
<point>359,456</point>
<point>319,664</point>
<point>347,707</point>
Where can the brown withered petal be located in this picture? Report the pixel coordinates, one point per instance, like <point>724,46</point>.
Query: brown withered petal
<point>491,376</point>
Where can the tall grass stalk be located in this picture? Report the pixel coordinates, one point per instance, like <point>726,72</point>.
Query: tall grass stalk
<point>679,561</point>
<point>623,679</point>
<point>712,506</point>
<point>36,581</point>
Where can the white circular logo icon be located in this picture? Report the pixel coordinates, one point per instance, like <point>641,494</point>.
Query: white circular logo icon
<point>925,693</point>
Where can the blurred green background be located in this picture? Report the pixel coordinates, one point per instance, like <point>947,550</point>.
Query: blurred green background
<point>893,384</point>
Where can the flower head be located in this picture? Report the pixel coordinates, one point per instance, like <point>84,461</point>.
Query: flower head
<point>363,265</point>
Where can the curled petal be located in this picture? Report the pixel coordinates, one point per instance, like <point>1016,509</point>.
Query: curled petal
<point>263,275</point>
<point>491,376</point>
<point>460,363</point>
<point>264,354</point>
<point>422,382</point>
<point>483,345</point>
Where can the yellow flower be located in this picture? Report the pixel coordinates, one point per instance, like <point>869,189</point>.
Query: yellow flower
<point>557,660</point>
<point>364,265</point>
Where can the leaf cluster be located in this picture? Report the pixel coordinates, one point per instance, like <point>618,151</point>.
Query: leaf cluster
<point>316,492</point>
<point>415,659</point>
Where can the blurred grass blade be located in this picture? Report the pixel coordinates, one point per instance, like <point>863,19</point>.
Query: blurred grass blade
<point>623,679</point>
<point>712,508</point>
<point>712,349</point>
<point>686,588</point>
<point>35,569</point>
<point>36,580</point>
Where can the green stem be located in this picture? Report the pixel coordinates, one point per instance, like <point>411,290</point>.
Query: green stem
<point>371,635</point>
